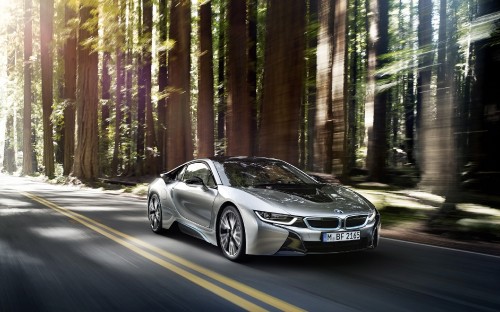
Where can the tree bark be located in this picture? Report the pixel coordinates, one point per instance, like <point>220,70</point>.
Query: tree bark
<point>69,93</point>
<point>151,145</point>
<point>46,33</point>
<point>119,92</point>
<point>283,84</point>
<point>323,136</point>
<point>311,90</point>
<point>86,165</point>
<point>377,149</point>
<point>162,86</point>
<point>27,128</point>
<point>239,110</point>
<point>105,113</point>
<point>180,141</point>
<point>205,84</point>
<point>221,82</point>
<point>252,8</point>
<point>424,78</point>
<point>339,85</point>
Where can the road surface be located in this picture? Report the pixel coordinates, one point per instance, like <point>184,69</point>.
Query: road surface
<point>69,249</point>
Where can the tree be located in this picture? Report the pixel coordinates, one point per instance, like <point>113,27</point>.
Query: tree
<point>323,119</point>
<point>147,36</point>
<point>46,33</point>
<point>377,146</point>
<point>28,50</point>
<point>424,76</point>
<point>484,120</point>
<point>309,107</point>
<point>9,151</point>
<point>105,111</point>
<point>179,136</point>
<point>86,164</point>
<point>69,92</point>
<point>252,9</point>
<point>205,83</point>
<point>339,84</point>
<point>221,75</point>
<point>409,102</point>
<point>283,80</point>
<point>239,110</point>
<point>440,170</point>
<point>162,84</point>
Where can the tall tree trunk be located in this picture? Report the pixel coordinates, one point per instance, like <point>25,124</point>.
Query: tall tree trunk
<point>86,165</point>
<point>105,113</point>
<point>147,33</point>
<point>221,76</point>
<point>438,175</point>
<point>69,93</point>
<point>312,44</point>
<point>162,85</point>
<point>485,123</point>
<point>180,141</point>
<point>120,81</point>
<point>9,151</point>
<point>353,106</point>
<point>283,80</point>
<point>46,33</point>
<point>339,88</point>
<point>424,78</point>
<point>126,162</point>
<point>206,84</point>
<point>28,50</point>
<point>252,8</point>
<point>409,102</point>
<point>141,93</point>
<point>239,110</point>
<point>323,137</point>
<point>372,36</point>
<point>377,148</point>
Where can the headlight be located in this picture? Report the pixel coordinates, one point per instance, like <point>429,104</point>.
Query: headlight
<point>372,215</point>
<point>276,217</point>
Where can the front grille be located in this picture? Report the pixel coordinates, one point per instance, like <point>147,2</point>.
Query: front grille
<point>323,223</point>
<point>355,221</point>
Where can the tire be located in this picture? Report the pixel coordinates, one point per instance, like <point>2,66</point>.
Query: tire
<point>231,234</point>
<point>155,214</point>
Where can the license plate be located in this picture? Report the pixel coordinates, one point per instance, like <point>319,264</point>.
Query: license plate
<point>341,236</point>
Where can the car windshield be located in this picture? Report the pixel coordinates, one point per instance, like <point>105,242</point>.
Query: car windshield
<point>263,173</point>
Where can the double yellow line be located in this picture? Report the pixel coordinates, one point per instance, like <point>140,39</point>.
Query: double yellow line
<point>140,247</point>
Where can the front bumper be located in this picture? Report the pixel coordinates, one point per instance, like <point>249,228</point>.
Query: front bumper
<point>295,242</point>
<point>273,239</point>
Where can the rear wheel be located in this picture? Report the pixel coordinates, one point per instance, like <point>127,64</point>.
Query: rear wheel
<point>154,213</point>
<point>231,233</point>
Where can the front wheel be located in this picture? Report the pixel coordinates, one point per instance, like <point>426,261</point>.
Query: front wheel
<point>231,233</point>
<point>154,214</point>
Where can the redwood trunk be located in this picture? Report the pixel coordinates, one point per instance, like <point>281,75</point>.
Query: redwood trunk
<point>283,80</point>
<point>206,84</point>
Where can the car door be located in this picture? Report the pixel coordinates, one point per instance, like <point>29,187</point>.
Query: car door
<point>194,201</point>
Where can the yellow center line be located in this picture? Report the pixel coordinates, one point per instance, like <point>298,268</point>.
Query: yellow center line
<point>245,304</point>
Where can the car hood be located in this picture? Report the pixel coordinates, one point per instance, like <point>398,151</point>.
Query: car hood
<point>312,200</point>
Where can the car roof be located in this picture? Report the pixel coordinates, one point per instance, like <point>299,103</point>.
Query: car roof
<point>223,159</point>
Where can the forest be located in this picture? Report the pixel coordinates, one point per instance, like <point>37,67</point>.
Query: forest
<point>396,91</point>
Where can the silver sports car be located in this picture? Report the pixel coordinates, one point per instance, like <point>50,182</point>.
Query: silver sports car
<point>261,206</point>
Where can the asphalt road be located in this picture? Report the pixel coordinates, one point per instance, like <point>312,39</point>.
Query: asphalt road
<point>67,249</point>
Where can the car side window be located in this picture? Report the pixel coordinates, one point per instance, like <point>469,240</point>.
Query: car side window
<point>180,174</point>
<point>200,170</point>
